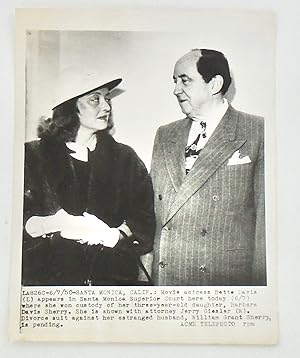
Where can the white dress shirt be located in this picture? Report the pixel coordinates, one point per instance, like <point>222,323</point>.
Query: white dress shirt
<point>212,119</point>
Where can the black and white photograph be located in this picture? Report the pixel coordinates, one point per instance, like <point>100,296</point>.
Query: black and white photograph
<point>89,200</point>
<point>144,178</point>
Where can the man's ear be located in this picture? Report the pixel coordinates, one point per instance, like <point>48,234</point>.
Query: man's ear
<point>216,84</point>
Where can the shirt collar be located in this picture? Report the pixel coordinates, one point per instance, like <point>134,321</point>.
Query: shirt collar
<point>80,151</point>
<point>215,114</point>
<point>212,120</point>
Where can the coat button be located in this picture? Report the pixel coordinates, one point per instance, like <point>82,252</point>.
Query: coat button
<point>203,232</point>
<point>162,264</point>
<point>215,197</point>
<point>159,196</point>
<point>202,268</point>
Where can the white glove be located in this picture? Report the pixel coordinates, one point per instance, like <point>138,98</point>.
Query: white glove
<point>108,237</point>
<point>41,225</point>
<point>93,232</point>
<point>93,222</point>
<point>61,221</point>
<point>85,229</point>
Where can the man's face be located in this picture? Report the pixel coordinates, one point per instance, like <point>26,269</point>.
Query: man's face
<point>191,90</point>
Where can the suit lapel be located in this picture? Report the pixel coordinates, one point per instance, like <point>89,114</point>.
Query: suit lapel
<point>219,148</point>
<point>173,148</point>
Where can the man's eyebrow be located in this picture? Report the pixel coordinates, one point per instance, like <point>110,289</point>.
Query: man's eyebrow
<point>182,76</point>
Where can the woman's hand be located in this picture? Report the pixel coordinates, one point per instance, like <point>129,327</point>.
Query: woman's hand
<point>96,223</point>
<point>93,231</point>
<point>86,229</point>
<point>108,237</point>
<point>37,226</point>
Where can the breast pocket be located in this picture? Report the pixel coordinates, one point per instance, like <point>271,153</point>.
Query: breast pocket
<point>238,169</point>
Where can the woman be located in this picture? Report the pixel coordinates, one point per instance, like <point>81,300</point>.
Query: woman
<point>88,206</point>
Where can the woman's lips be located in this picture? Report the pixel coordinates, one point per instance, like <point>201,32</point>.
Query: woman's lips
<point>103,118</point>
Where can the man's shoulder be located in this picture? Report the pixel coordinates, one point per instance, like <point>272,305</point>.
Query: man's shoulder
<point>247,122</point>
<point>172,125</point>
<point>249,117</point>
<point>250,126</point>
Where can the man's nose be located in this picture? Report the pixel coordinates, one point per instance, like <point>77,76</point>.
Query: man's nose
<point>177,89</point>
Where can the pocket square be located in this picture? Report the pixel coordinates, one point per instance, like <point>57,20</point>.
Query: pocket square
<point>236,159</point>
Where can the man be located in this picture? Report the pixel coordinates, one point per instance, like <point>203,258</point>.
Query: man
<point>208,176</point>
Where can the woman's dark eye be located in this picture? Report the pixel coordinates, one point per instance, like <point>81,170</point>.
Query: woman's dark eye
<point>94,99</point>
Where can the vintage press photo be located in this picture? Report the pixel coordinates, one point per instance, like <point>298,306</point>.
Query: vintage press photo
<point>144,191</point>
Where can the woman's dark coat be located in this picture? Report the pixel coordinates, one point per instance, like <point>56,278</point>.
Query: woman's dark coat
<point>119,189</point>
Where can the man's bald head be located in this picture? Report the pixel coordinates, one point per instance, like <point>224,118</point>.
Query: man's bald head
<point>210,63</point>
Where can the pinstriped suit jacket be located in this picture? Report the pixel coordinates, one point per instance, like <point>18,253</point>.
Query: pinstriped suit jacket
<point>210,223</point>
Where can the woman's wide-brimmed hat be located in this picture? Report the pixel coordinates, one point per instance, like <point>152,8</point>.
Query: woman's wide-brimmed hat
<point>72,85</point>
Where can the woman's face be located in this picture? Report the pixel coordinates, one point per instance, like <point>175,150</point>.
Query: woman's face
<point>94,110</point>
